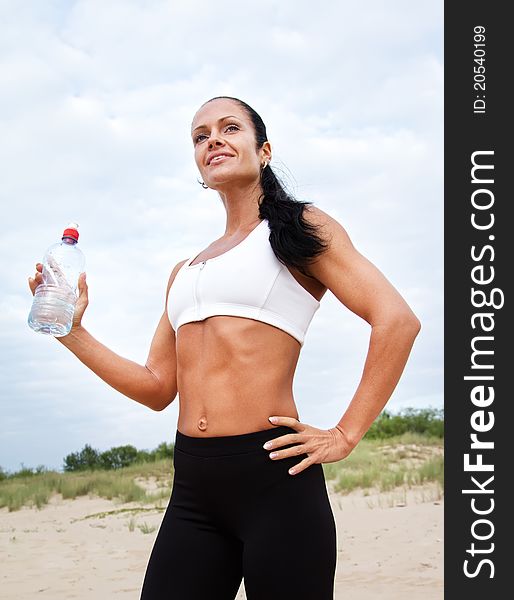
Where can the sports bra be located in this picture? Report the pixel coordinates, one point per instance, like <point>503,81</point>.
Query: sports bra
<point>246,281</point>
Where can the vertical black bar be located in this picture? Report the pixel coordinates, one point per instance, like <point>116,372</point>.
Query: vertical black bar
<point>479,257</point>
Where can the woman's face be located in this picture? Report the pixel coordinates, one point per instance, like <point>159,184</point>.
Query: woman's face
<point>225,148</point>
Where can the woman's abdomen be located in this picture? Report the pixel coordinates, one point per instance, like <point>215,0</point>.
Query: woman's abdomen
<point>232,374</point>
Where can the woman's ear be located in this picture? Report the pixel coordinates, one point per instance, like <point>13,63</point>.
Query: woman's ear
<point>266,152</point>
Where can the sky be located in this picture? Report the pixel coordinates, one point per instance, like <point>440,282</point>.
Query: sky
<point>96,104</point>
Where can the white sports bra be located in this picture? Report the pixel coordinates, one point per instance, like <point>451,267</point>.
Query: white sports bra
<point>246,281</point>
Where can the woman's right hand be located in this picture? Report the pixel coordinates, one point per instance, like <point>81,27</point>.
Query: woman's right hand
<point>82,300</point>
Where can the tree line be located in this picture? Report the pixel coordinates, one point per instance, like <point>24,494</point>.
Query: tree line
<point>115,458</point>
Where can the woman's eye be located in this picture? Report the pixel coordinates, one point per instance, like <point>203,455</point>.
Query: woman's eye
<point>201,136</point>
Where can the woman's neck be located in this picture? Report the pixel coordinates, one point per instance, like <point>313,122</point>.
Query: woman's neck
<point>242,207</point>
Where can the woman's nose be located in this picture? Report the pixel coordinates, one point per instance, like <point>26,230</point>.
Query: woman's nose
<point>214,140</point>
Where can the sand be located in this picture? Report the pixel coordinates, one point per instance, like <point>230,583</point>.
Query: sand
<point>390,546</point>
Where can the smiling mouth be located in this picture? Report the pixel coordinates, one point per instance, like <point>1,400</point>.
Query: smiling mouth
<point>218,159</point>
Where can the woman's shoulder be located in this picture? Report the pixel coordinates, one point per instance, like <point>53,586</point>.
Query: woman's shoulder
<point>326,225</point>
<point>174,272</point>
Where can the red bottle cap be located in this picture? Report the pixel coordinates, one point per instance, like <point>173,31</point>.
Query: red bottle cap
<point>71,232</point>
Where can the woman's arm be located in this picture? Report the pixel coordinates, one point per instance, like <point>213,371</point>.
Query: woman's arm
<point>155,383</point>
<point>361,287</point>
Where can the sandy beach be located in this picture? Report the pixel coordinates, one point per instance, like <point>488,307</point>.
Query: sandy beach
<point>390,546</point>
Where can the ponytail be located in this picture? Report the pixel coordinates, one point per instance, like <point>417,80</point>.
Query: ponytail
<point>293,239</point>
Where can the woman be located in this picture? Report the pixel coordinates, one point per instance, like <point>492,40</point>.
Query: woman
<point>228,342</point>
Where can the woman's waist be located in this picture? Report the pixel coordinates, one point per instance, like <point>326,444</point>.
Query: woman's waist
<point>227,413</point>
<point>224,444</point>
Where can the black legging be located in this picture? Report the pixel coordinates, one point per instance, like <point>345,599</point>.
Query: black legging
<point>233,513</point>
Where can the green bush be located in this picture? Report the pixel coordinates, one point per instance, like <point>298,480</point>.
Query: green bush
<point>87,458</point>
<point>426,421</point>
<point>118,457</point>
<point>163,450</point>
<point>25,472</point>
<point>145,456</point>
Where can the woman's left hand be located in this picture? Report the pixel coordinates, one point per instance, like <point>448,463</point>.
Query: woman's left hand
<point>321,445</point>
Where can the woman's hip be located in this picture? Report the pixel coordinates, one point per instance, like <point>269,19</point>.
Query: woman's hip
<point>232,478</point>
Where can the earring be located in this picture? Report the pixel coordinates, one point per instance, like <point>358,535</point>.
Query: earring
<point>205,187</point>
<point>264,165</point>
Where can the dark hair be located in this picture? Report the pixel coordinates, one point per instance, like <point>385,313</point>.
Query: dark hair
<point>293,239</point>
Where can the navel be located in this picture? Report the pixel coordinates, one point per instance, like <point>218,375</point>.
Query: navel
<point>202,423</point>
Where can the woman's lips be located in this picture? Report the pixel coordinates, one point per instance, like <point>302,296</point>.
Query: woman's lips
<point>218,159</point>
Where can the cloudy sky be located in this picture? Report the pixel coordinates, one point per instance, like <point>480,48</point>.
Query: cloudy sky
<point>95,108</point>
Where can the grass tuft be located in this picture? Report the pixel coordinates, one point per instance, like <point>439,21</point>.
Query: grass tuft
<point>36,489</point>
<point>407,460</point>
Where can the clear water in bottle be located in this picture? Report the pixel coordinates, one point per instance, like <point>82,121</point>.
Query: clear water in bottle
<point>54,299</point>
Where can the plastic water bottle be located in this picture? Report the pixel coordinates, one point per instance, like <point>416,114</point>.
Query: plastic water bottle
<point>54,299</point>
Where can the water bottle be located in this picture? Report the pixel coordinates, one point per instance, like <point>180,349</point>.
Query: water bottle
<point>54,299</point>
